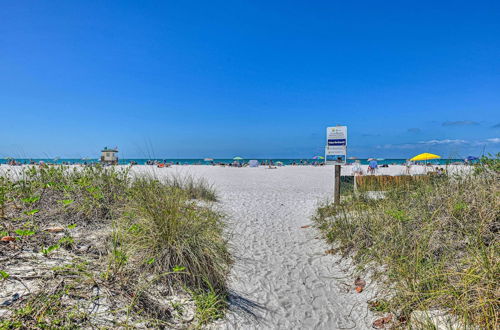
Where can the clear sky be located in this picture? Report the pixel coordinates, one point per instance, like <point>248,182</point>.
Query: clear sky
<point>190,79</point>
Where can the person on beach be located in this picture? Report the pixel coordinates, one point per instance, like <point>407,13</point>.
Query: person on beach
<point>372,166</point>
<point>408,167</point>
<point>356,168</point>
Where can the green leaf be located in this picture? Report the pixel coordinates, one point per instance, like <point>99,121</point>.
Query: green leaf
<point>51,248</point>
<point>4,275</point>
<point>73,226</point>
<point>66,241</point>
<point>24,232</point>
<point>150,261</point>
<point>66,201</point>
<point>32,212</point>
<point>135,228</point>
<point>177,269</point>
<point>30,200</point>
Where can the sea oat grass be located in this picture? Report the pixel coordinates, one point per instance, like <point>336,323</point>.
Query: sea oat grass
<point>434,245</point>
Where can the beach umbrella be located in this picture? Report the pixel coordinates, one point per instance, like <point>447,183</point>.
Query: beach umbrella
<point>472,158</point>
<point>237,158</point>
<point>318,157</point>
<point>425,156</point>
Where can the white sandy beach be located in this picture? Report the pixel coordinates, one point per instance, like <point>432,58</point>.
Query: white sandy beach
<point>282,278</point>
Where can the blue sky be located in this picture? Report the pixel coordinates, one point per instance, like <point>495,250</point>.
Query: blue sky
<point>252,78</point>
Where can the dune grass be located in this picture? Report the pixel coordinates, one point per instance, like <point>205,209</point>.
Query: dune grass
<point>432,246</point>
<point>162,227</point>
<point>154,233</point>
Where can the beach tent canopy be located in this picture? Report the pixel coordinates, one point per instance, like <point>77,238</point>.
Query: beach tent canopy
<point>318,157</point>
<point>253,163</point>
<point>237,158</point>
<point>472,158</point>
<point>425,156</point>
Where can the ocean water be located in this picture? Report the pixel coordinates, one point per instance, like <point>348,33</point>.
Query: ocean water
<point>285,161</point>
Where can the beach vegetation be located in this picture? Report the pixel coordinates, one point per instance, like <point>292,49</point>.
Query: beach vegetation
<point>134,235</point>
<point>431,245</point>
<point>210,304</point>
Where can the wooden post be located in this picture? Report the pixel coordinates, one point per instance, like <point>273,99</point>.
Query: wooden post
<point>355,188</point>
<point>336,185</point>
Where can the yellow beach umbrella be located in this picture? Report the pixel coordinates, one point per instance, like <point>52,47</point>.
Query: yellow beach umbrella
<point>425,156</point>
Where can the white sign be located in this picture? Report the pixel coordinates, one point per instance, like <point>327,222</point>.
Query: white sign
<point>336,144</point>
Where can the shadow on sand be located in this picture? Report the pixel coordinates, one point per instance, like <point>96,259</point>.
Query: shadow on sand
<point>245,308</point>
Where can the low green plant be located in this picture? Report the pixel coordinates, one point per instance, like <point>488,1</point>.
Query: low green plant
<point>46,251</point>
<point>46,310</point>
<point>31,200</point>
<point>210,305</point>
<point>4,275</point>
<point>66,241</point>
<point>66,201</point>
<point>32,212</point>
<point>24,232</point>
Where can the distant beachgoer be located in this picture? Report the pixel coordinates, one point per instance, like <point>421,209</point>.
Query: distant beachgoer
<point>408,167</point>
<point>356,168</point>
<point>372,166</point>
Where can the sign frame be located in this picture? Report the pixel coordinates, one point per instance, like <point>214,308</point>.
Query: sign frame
<point>336,145</point>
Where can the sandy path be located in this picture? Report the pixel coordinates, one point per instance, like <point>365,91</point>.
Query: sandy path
<point>282,278</point>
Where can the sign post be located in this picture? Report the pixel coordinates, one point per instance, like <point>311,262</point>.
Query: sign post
<point>336,153</point>
<point>336,185</point>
